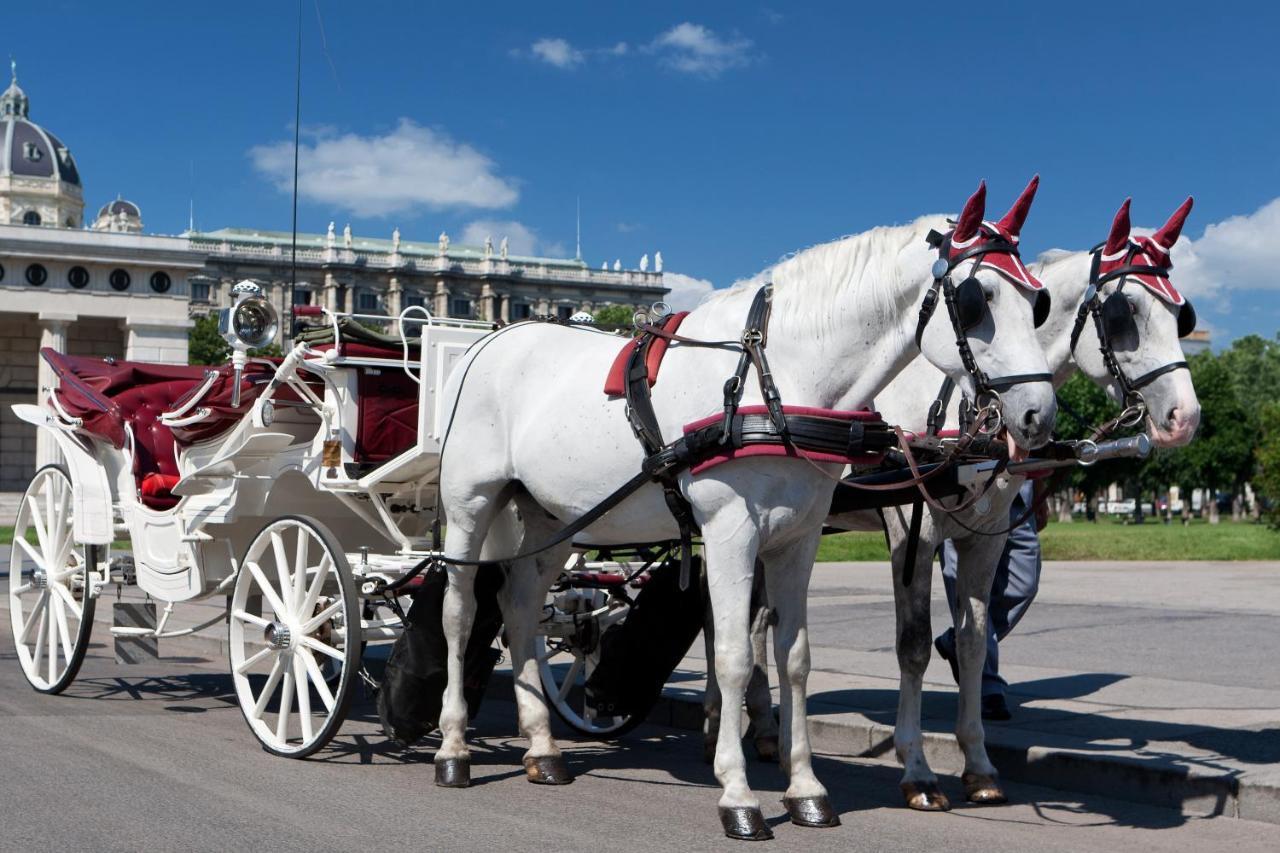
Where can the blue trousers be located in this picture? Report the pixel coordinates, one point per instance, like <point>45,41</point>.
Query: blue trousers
<point>1014,587</point>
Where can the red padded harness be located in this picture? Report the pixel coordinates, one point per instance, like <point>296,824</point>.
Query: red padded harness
<point>616,383</point>
<point>779,449</point>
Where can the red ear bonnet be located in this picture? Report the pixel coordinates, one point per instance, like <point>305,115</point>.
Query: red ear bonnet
<point>1152,251</point>
<point>1119,238</point>
<point>971,217</point>
<point>1012,222</point>
<point>1168,235</point>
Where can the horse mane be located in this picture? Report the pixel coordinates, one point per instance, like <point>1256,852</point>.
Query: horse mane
<point>811,287</point>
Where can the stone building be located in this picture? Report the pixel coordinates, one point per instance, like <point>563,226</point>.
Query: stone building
<point>113,290</point>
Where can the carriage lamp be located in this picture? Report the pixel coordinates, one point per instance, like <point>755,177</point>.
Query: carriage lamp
<point>250,322</point>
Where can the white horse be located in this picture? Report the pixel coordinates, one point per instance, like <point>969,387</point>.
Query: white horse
<point>534,444</point>
<point>1172,414</point>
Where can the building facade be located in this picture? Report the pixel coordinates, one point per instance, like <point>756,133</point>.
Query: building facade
<point>113,290</point>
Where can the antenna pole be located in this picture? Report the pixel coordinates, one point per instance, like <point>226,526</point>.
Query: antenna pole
<point>297,133</point>
<point>579,254</point>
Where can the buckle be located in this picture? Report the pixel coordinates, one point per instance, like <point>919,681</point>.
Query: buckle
<point>752,337</point>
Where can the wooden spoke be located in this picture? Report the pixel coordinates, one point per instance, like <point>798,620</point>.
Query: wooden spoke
<point>245,616</point>
<point>64,596</point>
<point>304,695</point>
<point>277,670</point>
<point>570,679</point>
<point>315,645</point>
<point>51,647</point>
<point>41,603</point>
<point>60,617</point>
<point>318,681</point>
<point>282,567</point>
<point>277,606</point>
<point>323,616</point>
<point>317,584</point>
<point>250,662</point>
<point>286,704</point>
<point>300,568</point>
<point>21,542</point>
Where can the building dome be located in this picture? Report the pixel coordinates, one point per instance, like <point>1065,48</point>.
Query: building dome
<point>119,215</point>
<point>39,182</point>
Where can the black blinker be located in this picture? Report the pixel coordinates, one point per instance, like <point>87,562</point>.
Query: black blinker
<point>1186,320</point>
<point>1117,317</point>
<point>971,303</point>
<point>1040,311</point>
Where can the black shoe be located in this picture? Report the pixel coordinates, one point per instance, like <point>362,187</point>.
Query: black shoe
<point>949,658</point>
<point>995,708</point>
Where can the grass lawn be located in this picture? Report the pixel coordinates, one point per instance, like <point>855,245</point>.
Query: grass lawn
<point>1108,540</point>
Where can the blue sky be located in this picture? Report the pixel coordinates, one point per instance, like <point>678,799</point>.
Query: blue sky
<point>722,134</point>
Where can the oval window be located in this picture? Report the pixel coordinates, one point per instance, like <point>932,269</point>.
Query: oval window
<point>78,277</point>
<point>120,280</point>
<point>37,274</point>
<point>160,281</point>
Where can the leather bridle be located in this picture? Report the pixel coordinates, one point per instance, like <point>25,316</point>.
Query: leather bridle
<point>965,306</point>
<point>1113,317</point>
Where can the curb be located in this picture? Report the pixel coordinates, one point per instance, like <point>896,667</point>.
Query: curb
<point>1190,790</point>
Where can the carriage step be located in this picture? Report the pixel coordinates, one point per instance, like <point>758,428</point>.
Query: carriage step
<point>135,647</point>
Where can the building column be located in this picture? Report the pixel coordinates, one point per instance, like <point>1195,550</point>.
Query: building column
<point>441,308</point>
<point>330,294</point>
<point>395,299</point>
<point>53,334</point>
<point>542,307</point>
<point>504,307</point>
<point>488,307</point>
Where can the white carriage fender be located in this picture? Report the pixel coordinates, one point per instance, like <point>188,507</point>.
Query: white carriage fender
<point>91,497</point>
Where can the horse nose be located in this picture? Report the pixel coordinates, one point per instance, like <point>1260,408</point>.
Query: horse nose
<point>1032,420</point>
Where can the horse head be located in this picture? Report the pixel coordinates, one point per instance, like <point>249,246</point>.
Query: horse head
<point>1140,317</point>
<point>990,347</point>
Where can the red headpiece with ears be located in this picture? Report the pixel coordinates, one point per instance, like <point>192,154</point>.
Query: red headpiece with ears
<point>970,218</point>
<point>1152,251</point>
<point>1006,230</point>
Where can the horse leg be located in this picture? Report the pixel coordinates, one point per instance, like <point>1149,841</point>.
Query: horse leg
<point>730,562</point>
<point>527,586</point>
<point>759,699</point>
<point>787,572</point>
<point>976,559</point>
<point>464,539</point>
<point>913,642</point>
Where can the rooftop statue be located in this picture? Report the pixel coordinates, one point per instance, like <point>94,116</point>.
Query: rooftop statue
<point>346,235</point>
<point>657,262</point>
<point>328,240</point>
<point>395,240</point>
<point>617,265</point>
<point>488,246</point>
<point>644,263</point>
<point>502,248</point>
<point>444,243</point>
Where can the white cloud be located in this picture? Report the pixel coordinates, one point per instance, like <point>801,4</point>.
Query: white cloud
<point>521,239</point>
<point>695,49</point>
<point>686,291</point>
<point>407,168</point>
<point>557,52</point>
<point>1238,253</point>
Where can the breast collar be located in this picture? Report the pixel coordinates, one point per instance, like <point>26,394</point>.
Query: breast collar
<point>986,388</point>
<point>1130,389</point>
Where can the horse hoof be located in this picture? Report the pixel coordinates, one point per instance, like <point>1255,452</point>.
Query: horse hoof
<point>767,749</point>
<point>983,789</point>
<point>744,823</point>
<point>547,770</point>
<point>811,811</point>
<point>925,797</point>
<point>453,772</point>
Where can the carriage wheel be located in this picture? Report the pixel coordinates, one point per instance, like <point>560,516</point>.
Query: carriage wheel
<point>50,606</point>
<point>564,669</point>
<point>295,636</point>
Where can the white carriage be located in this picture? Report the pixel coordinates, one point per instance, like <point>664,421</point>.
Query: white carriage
<point>298,487</point>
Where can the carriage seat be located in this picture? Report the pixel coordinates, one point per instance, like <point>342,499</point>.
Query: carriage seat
<point>108,395</point>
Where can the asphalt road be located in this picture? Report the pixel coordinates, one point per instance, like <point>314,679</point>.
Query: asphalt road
<point>158,757</point>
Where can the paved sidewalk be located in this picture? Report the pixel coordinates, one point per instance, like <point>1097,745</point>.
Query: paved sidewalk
<point>1152,682</point>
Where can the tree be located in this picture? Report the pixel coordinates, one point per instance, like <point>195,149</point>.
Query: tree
<point>1082,406</point>
<point>204,344</point>
<point>1222,453</point>
<point>1267,480</point>
<point>614,317</point>
<point>1253,363</point>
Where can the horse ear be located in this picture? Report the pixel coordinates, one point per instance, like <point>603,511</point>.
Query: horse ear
<point>971,217</point>
<point>1119,230</point>
<point>1168,235</point>
<point>1012,222</point>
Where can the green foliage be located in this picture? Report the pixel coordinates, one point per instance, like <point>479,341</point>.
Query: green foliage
<point>204,344</point>
<point>1221,456</point>
<point>1267,480</point>
<point>613,317</point>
